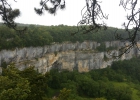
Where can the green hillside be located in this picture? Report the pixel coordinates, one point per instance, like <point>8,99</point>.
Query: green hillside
<point>44,35</point>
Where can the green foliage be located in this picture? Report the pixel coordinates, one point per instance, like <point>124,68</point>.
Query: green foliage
<point>13,86</point>
<point>9,39</point>
<point>101,48</point>
<point>22,85</point>
<point>19,92</point>
<point>99,99</point>
<point>95,84</point>
<point>105,58</point>
<point>4,64</point>
<point>64,94</point>
<point>37,81</point>
<point>45,35</point>
<point>129,68</point>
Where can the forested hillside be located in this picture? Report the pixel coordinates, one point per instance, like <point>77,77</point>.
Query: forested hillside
<point>118,82</point>
<point>44,35</point>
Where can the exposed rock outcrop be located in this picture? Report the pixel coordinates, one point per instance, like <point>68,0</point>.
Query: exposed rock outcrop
<point>66,56</point>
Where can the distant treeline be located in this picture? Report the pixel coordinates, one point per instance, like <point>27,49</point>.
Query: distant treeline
<point>44,35</point>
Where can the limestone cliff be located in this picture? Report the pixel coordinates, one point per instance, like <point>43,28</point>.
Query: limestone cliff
<point>66,56</point>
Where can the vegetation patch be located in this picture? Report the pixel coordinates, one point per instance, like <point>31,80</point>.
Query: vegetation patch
<point>55,53</point>
<point>37,35</point>
<point>105,58</point>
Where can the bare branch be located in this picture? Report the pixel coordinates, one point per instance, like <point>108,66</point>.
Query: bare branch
<point>133,21</point>
<point>91,16</point>
<point>8,15</point>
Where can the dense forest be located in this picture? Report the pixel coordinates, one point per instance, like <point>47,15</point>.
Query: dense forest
<point>121,81</point>
<point>44,35</point>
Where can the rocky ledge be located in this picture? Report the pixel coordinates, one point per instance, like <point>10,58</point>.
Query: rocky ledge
<point>66,56</point>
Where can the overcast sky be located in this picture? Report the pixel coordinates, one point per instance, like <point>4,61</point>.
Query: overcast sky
<point>70,16</point>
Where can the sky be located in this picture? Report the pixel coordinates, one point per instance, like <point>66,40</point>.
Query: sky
<point>71,15</point>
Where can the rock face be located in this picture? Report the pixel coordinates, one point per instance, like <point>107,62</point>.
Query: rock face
<point>67,56</point>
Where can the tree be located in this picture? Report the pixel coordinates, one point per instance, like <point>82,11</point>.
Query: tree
<point>13,86</point>
<point>22,85</point>
<point>8,14</point>
<point>38,83</point>
<point>89,21</point>
<point>64,94</point>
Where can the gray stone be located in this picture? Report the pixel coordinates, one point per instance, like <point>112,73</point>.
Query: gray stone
<point>65,56</point>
